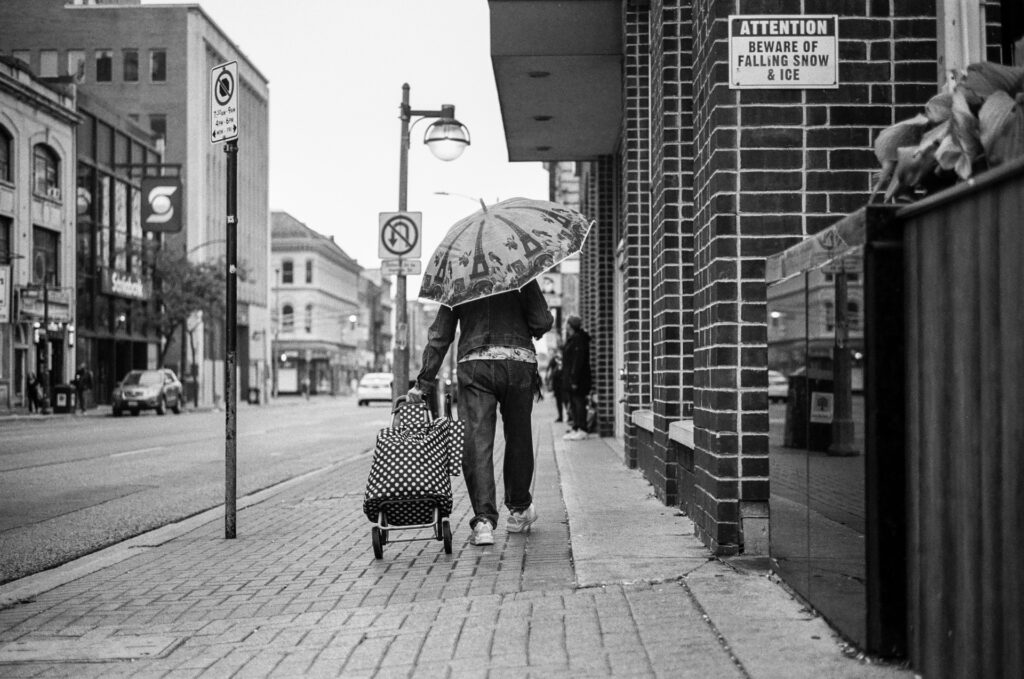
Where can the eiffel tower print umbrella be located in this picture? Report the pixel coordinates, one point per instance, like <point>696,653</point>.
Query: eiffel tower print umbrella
<point>501,247</point>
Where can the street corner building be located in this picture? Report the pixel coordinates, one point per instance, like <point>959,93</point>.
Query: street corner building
<point>142,72</point>
<point>725,150</point>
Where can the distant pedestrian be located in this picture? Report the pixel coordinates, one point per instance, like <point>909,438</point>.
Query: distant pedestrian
<point>305,386</point>
<point>83,384</point>
<point>576,376</point>
<point>32,392</point>
<point>553,377</point>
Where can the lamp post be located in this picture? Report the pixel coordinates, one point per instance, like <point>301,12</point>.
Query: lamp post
<point>446,138</point>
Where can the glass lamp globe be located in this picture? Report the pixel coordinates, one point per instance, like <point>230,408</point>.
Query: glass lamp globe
<point>446,138</point>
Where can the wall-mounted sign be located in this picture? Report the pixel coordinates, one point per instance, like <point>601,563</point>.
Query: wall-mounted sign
<point>406,267</point>
<point>56,306</point>
<point>123,284</point>
<point>161,204</point>
<point>799,51</point>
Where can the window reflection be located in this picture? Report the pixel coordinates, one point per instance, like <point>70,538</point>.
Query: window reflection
<point>816,343</point>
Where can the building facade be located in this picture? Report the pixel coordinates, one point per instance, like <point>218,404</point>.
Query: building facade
<point>317,319</point>
<point>375,321</point>
<point>114,279</point>
<point>697,170</point>
<point>37,232</point>
<point>152,64</point>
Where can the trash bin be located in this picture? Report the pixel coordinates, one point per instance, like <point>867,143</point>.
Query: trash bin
<point>254,395</point>
<point>63,398</point>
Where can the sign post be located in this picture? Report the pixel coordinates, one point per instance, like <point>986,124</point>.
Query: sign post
<point>400,238</point>
<point>224,128</point>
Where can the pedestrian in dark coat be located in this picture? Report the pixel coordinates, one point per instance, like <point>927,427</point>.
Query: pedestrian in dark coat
<point>554,382</point>
<point>83,385</point>
<point>576,378</point>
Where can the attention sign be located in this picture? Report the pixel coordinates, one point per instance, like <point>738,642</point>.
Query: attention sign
<point>784,52</point>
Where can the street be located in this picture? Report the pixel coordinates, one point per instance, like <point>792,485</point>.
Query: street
<point>70,485</point>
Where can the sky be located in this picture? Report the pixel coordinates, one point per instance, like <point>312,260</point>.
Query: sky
<point>336,69</point>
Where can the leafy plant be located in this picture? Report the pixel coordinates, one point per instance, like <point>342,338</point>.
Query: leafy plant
<point>184,288</point>
<point>976,124</point>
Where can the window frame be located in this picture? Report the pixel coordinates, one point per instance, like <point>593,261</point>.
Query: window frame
<point>153,53</point>
<point>308,318</point>
<point>51,172</point>
<point>126,63</point>
<point>46,242</point>
<point>49,63</point>
<point>6,154</point>
<point>287,272</point>
<point>287,318</point>
<point>76,60</point>
<point>104,54</point>
<point>309,271</point>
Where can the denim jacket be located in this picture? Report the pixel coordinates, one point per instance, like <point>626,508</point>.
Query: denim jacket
<point>511,319</point>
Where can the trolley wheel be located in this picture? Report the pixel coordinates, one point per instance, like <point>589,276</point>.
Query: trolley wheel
<point>447,528</point>
<point>378,547</point>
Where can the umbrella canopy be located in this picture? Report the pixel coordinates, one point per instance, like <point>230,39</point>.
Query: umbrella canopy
<point>501,247</point>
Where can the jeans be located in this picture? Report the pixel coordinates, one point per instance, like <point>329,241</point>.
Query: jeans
<point>578,407</point>
<point>483,386</point>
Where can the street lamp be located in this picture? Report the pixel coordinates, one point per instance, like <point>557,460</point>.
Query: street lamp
<point>446,138</point>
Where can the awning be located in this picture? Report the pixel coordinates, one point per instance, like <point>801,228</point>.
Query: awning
<point>558,69</point>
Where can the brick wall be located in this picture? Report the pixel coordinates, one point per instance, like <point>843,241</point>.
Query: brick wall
<point>771,167</point>
<point>597,280</point>
<point>671,235</point>
<point>636,216</point>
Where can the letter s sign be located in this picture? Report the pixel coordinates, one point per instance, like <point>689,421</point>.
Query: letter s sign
<point>161,204</point>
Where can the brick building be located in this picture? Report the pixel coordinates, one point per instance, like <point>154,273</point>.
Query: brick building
<point>151,63</point>
<point>694,176</point>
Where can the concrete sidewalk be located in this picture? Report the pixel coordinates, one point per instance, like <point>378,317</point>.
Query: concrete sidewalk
<point>608,583</point>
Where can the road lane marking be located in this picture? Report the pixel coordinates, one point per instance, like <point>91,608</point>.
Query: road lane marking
<point>137,452</point>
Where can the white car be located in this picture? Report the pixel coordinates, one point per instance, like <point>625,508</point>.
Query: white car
<point>778,386</point>
<point>374,387</point>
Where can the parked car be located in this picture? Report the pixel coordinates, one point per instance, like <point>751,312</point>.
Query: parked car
<point>778,386</point>
<point>374,387</point>
<point>148,390</point>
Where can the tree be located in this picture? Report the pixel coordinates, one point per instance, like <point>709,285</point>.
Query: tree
<point>184,288</point>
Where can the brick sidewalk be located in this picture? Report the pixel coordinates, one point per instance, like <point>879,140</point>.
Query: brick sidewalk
<point>298,593</point>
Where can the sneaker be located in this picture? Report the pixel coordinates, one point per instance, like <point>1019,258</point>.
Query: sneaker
<point>577,435</point>
<point>483,534</point>
<point>520,521</point>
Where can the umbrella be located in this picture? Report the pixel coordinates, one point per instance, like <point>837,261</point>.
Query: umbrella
<point>501,247</point>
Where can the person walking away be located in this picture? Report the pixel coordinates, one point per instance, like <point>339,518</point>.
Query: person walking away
<point>83,384</point>
<point>554,382</point>
<point>576,377</point>
<point>497,368</point>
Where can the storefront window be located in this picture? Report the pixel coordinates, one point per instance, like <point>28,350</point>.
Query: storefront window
<point>120,226</point>
<point>103,221</point>
<point>136,232</point>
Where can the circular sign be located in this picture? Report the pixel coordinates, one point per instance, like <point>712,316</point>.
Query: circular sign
<point>399,235</point>
<point>224,88</point>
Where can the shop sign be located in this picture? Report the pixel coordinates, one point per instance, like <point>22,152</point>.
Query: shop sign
<point>799,51</point>
<point>123,284</point>
<point>161,204</point>
<point>56,306</point>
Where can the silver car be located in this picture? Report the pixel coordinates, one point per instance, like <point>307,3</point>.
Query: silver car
<point>148,390</point>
